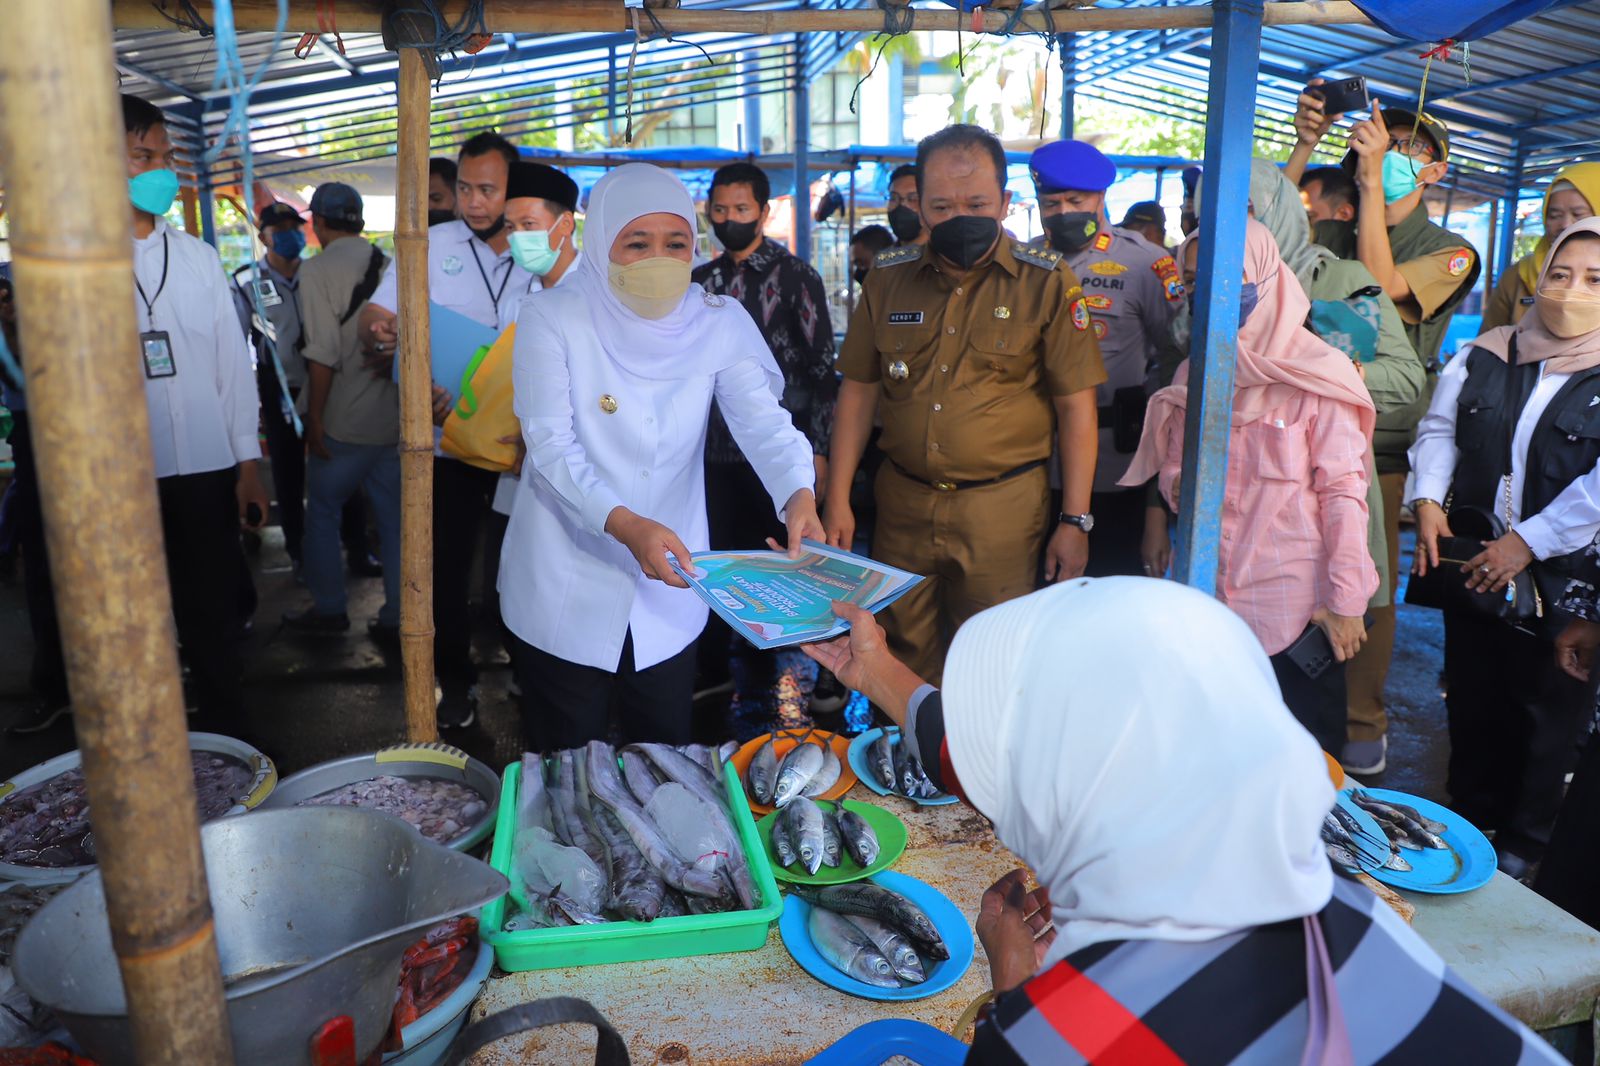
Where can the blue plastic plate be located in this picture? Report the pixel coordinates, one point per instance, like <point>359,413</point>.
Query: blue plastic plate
<point>857,756</point>
<point>1374,846</point>
<point>946,917</point>
<point>1468,863</point>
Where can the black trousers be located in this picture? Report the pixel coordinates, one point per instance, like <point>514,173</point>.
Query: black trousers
<point>1515,722</point>
<point>1569,876</point>
<point>200,524</point>
<point>740,515</point>
<point>1117,539</point>
<point>1316,703</point>
<point>565,705</point>
<point>48,674</point>
<point>462,495</point>
<point>286,450</point>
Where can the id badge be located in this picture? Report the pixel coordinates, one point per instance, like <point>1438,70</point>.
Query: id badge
<point>157,348</point>
<point>267,292</point>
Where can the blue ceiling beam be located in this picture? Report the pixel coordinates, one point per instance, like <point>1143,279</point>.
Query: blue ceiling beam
<point>1523,79</point>
<point>153,78</point>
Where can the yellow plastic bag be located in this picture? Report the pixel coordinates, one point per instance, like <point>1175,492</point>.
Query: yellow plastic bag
<point>482,414</point>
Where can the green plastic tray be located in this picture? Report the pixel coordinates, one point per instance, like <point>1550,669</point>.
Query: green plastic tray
<point>664,938</point>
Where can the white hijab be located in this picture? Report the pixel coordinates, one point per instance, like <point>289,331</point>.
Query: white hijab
<point>705,334</point>
<point>1127,738</point>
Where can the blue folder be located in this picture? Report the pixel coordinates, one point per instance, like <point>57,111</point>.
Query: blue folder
<point>453,339</point>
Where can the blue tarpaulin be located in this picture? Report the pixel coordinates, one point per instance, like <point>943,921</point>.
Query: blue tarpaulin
<point>1439,20</point>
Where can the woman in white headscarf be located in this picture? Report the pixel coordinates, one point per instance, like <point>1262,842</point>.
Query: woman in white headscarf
<point>614,376</point>
<point>1185,909</point>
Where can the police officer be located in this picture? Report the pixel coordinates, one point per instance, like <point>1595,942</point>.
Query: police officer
<point>979,354</point>
<point>1131,289</point>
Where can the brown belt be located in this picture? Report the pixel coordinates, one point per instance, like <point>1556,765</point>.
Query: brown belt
<point>956,486</point>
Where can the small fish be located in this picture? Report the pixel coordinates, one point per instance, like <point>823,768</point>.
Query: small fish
<point>859,839</point>
<point>1341,855</point>
<point>901,955</point>
<point>782,846</point>
<point>806,833</point>
<point>826,777</point>
<point>881,760</point>
<point>832,848</point>
<point>763,773</point>
<point>1415,830</point>
<point>796,771</point>
<point>1412,813</point>
<point>1397,862</point>
<point>875,901</point>
<point>901,752</point>
<point>849,950</point>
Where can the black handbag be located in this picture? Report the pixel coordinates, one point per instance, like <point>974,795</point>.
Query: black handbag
<point>1519,604</point>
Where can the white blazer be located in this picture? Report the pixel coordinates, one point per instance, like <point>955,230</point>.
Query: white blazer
<point>598,438</point>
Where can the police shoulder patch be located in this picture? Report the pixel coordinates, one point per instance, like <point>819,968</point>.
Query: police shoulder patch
<point>1045,258</point>
<point>1165,267</point>
<point>909,253</point>
<point>1080,316</point>
<point>1102,242</point>
<point>1460,260</point>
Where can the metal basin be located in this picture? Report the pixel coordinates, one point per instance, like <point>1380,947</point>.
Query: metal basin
<point>314,907</point>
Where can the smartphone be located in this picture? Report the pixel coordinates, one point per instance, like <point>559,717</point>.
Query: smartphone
<point>1343,97</point>
<point>1312,651</point>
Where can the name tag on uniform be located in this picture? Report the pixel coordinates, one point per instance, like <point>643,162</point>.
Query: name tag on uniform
<point>905,318</point>
<point>267,293</point>
<point>1526,301</point>
<point>157,348</point>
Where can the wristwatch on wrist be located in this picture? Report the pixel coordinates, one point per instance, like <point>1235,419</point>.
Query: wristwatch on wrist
<point>1084,522</point>
<point>1422,500</point>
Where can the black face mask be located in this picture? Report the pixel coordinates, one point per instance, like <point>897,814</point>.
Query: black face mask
<point>439,215</point>
<point>489,233</point>
<point>906,223</point>
<point>1337,236</point>
<point>736,236</point>
<point>1071,231</point>
<point>860,274</point>
<point>964,239</point>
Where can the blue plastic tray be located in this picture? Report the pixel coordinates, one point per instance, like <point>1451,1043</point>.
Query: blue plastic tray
<point>1468,863</point>
<point>877,1042</point>
<point>858,762</point>
<point>946,918</point>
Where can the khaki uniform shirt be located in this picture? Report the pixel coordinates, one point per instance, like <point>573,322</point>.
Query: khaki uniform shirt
<point>968,365</point>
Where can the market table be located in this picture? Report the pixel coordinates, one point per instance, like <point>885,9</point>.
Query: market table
<point>1535,960</point>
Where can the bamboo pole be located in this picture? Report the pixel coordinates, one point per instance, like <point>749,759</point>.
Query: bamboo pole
<point>416,408</point>
<point>609,16</point>
<point>63,144</point>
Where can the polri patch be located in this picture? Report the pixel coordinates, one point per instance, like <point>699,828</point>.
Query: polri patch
<point>1099,330</point>
<point>1098,303</point>
<point>1459,263</point>
<point>905,318</point>
<point>1108,268</point>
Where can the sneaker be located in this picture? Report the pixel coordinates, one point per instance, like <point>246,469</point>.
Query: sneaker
<point>1365,756</point>
<point>383,633</point>
<point>828,695</point>
<point>311,620</point>
<point>458,709</point>
<point>364,565</point>
<point>42,719</point>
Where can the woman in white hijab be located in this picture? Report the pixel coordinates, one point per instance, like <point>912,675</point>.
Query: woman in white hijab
<point>1170,807</point>
<point>614,376</point>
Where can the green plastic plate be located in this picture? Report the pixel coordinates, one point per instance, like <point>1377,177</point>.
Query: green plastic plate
<point>891,845</point>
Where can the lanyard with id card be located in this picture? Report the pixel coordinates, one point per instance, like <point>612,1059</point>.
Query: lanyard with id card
<point>156,344</point>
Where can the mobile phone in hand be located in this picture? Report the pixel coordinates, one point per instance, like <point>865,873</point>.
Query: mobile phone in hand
<point>1344,96</point>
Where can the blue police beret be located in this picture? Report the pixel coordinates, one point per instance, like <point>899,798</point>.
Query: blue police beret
<point>1065,165</point>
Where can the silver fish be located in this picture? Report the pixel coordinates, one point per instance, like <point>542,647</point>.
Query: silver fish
<point>1410,812</point>
<point>806,832</point>
<point>640,778</point>
<point>826,777</point>
<point>1342,855</point>
<point>690,880</point>
<point>1397,862</point>
<point>578,831</point>
<point>832,847</point>
<point>675,766</point>
<point>881,760</point>
<point>875,901</point>
<point>637,891</point>
<point>902,956</point>
<point>802,763</point>
<point>900,753</point>
<point>859,839</point>
<point>762,777</point>
<point>782,846</point>
<point>1415,830</point>
<point>849,950</point>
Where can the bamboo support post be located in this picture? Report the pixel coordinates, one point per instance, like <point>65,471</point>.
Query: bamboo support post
<point>416,405</point>
<point>62,139</point>
<point>609,16</point>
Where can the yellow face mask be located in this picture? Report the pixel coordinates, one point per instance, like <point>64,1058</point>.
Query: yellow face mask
<point>1569,312</point>
<point>650,288</point>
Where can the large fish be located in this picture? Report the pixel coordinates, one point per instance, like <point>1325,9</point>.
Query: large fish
<point>603,781</point>
<point>803,762</point>
<point>881,760</point>
<point>826,777</point>
<point>579,833</point>
<point>762,777</point>
<point>859,839</point>
<point>901,955</point>
<point>640,778</point>
<point>849,950</point>
<point>806,832</point>
<point>875,901</point>
<point>676,766</point>
<point>637,891</point>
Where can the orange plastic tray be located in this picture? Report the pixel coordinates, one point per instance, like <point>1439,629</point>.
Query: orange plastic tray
<point>786,741</point>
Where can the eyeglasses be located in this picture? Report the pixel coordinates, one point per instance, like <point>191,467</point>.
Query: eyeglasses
<point>1413,145</point>
<point>911,199</point>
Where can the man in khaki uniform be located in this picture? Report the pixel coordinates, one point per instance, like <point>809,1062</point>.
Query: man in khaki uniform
<point>978,352</point>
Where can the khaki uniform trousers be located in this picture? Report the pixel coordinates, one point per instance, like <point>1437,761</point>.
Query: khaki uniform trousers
<point>1368,672</point>
<point>974,548</point>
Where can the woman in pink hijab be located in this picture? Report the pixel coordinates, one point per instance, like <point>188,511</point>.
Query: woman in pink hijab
<point>1293,558</point>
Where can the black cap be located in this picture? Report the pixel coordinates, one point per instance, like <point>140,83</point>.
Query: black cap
<point>544,182</point>
<point>1146,211</point>
<point>338,202</point>
<point>277,213</point>
<point>1397,119</point>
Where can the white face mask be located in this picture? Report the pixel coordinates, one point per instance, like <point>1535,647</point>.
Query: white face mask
<point>650,288</point>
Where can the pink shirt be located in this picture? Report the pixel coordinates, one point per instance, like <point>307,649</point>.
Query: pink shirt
<point>1294,516</point>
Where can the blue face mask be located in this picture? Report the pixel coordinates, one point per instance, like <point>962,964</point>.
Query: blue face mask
<point>1247,301</point>
<point>153,191</point>
<point>531,251</point>
<point>1399,176</point>
<point>289,243</point>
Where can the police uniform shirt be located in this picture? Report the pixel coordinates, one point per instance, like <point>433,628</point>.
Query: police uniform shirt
<point>465,275</point>
<point>283,314</point>
<point>203,416</point>
<point>968,365</point>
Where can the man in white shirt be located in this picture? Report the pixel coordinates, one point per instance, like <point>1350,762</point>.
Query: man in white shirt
<point>470,271</point>
<point>201,395</point>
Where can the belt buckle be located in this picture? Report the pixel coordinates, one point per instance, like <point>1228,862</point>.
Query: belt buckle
<point>945,486</point>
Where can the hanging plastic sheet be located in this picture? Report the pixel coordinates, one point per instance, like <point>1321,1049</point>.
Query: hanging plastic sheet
<point>1438,20</point>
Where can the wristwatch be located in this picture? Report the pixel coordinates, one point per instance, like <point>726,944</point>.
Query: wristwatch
<point>1084,522</point>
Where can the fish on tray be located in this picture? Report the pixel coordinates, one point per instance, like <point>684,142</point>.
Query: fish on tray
<point>440,810</point>
<point>872,934</point>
